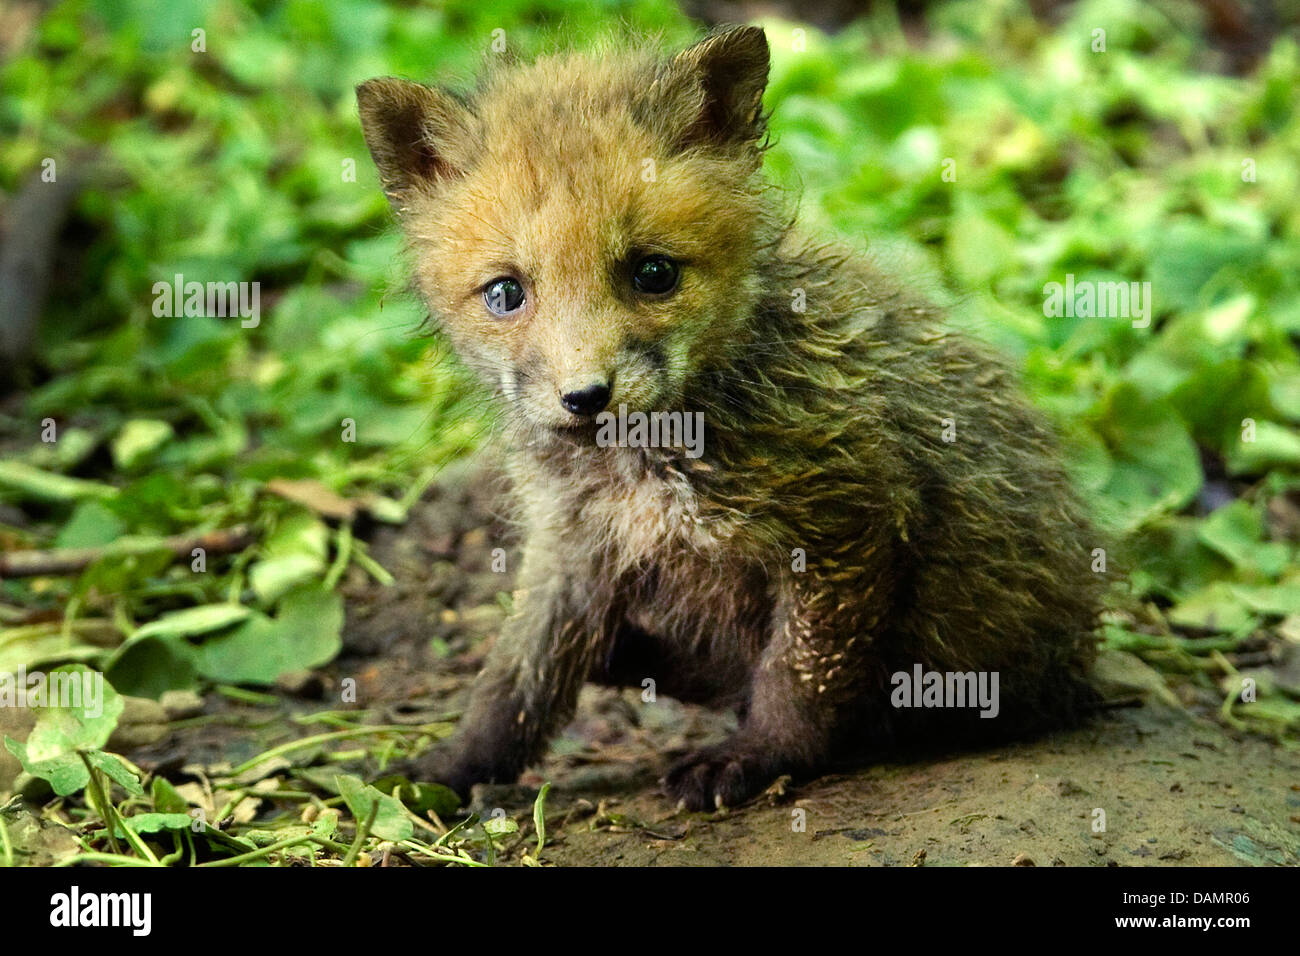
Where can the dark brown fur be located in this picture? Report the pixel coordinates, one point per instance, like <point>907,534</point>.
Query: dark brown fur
<point>824,432</point>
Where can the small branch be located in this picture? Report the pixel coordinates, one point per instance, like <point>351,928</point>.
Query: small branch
<point>27,564</point>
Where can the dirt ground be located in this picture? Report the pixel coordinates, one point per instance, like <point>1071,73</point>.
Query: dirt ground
<point>1147,785</point>
<point>1157,784</point>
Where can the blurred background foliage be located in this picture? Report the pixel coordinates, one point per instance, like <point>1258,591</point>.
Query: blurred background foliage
<point>232,164</point>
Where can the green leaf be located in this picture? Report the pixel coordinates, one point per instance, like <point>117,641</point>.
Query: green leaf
<point>1156,465</point>
<point>151,667</point>
<point>1186,255</point>
<point>1171,561</point>
<point>1274,446</point>
<point>271,579</point>
<point>500,826</point>
<point>539,817</point>
<point>74,446</point>
<point>306,633</point>
<point>153,822</point>
<point>193,621</point>
<point>190,622</point>
<point>112,766</point>
<point>420,797</point>
<point>391,822</point>
<point>65,773</point>
<point>126,564</point>
<point>33,645</point>
<point>1235,530</point>
<point>293,554</point>
<point>38,485</point>
<point>1280,600</point>
<point>978,248</point>
<point>1284,390</point>
<point>91,526</point>
<point>1215,608</point>
<point>1216,400</point>
<point>166,800</point>
<point>78,710</point>
<point>139,439</point>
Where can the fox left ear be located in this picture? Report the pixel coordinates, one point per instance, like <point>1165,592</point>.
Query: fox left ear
<point>416,135</point>
<point>730,68</point>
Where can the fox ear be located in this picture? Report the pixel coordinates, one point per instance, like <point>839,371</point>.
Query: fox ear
<point>413,132</point>
<point>731,69</point>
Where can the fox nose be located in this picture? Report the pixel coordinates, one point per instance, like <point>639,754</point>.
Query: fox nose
<point>587,401</point>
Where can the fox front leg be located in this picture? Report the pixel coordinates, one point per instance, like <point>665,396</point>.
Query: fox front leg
<point>529,684</point>
<point>816,667</point>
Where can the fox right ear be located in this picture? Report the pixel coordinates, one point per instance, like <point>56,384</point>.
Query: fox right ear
<point>730,70</point>
<point>412,132</point>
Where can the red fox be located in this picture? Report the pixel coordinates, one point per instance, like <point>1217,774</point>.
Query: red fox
<point>869,522</point>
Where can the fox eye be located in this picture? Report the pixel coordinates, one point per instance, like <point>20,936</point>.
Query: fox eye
<point>503,296</point>
<point>655,275</point>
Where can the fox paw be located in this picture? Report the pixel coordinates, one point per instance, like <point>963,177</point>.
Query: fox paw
<point>715,777</point>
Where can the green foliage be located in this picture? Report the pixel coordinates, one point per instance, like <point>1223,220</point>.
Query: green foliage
<point>73,720</point>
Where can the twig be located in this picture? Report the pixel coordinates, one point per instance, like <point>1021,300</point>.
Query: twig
<point>27,564</point>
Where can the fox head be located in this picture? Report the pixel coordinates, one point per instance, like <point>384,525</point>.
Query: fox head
<point>586,229</point>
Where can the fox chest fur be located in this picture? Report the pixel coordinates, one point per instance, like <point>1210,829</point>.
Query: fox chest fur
<point>685,569</point>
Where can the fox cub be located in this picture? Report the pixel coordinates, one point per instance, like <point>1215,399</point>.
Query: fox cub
<point>873,507</point>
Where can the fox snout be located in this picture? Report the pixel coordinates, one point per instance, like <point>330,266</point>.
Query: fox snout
<point>571,388</point>
<point>586,401</point>
<point>581,366</point>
